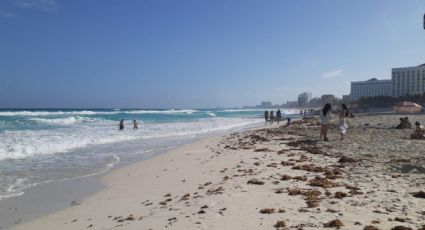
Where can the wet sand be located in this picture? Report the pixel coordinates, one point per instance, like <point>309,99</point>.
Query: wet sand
<point>269,178</point>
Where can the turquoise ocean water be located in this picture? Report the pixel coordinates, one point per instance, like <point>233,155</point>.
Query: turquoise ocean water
<point>42,145</point>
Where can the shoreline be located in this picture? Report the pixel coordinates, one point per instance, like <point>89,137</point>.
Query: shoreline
<point>50,197</point>
<point>263,178</point>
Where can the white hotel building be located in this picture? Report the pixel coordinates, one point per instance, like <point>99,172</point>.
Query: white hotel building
<point>371,88</point>
<point>408,80</point>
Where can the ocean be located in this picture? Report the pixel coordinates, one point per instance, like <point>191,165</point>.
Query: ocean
<point>43,145</point>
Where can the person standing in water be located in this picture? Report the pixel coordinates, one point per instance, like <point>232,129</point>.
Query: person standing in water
<point>278,116</point>
<point>325,117</point>
<point>266,116</point>
<point>135,125</point>
<point>121,125</point>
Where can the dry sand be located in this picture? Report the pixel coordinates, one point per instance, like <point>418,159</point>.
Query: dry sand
<point>272,178</point>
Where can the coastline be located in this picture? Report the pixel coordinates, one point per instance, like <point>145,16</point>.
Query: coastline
<point>262,178</point>
<point>53,196</point>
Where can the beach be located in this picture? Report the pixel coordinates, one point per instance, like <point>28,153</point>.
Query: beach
<point>265,178</point>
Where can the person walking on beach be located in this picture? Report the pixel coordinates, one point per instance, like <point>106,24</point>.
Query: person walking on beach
<point>342,122</point>
<point>266,116</point>
<point>121,125</point>
<point>135,125</point>
<point>271,117</point>
<point>325,117</point>
<point>278,116</point>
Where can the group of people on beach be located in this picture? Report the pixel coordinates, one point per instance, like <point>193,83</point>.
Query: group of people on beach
<point>270,117</point>
<point>325,117</point>
<point>418,133</point>
<point>121,125</point>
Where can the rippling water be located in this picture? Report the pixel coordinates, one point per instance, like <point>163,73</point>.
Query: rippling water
<point>38,146</point>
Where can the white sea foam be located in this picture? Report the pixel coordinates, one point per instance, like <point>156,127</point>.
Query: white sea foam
<point>63,121</point>
<point>26,143</point>
<point>74,113</point>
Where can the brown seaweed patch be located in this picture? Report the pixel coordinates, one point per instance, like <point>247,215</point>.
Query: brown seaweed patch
<point>309,168</point>
<point>420,194</point>
<point>212,191</point>
<point>279,190</point>
<point>262,150</point>
<point>370,227</point>
<point>322,182</point>
<point>185,197</point>
<point>267,211</point>
<point>333,224</point>
<point>255,181</point>
<point>287,163</point>
<point>345,159</point>
<point>294,191</point>
<point>333,174</point>
<point>300,178</point>
<point>401,228</point>
<point>340,195</point>
<point>285,177</point>
<point>280,224</point>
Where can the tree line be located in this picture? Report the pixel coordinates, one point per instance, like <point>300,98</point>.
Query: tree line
<point>387,101</point>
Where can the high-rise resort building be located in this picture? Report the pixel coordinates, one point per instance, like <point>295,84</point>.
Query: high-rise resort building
<point>408,80</point>
<point>371,88</point>
<point>304,99</point>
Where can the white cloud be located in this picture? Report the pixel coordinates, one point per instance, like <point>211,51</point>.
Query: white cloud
<point>332,74</point>
<point>42,5</point>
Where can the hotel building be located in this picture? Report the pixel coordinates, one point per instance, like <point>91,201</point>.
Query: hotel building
<point>408,80</point>
<point>371,88</point>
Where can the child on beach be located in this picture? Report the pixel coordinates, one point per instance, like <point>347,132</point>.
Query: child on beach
<point>325,117</point>
<point>342,122</point>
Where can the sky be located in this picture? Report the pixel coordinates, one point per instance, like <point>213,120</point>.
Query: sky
<point>199,53</point>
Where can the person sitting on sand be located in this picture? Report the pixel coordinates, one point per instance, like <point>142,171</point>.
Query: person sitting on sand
<point>278,116</point>
<point>266,116</point>
<point>121,125</point>
<point>325,117</point>
<point>407,124</point>
<point>271,118</point>
<point>404,123</point>
<point>419,132</point>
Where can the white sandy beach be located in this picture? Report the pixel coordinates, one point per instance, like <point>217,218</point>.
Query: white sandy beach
<point>265,179</point>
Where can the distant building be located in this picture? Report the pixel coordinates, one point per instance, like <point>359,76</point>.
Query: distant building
<point>408,80</point>
<point>346,98</point>
<point>371,88</point>
<point>329,98</point>
<point>266,104</point>
<point>292,104</point>
<point>304,99</point>
<point>316,102</point>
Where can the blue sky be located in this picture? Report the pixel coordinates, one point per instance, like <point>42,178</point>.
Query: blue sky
<point>199,53</point>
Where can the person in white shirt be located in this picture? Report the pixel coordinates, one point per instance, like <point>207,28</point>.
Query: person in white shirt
<point>325,117</point>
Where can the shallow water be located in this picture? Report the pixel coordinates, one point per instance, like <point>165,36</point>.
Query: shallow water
<point>39,146</point>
